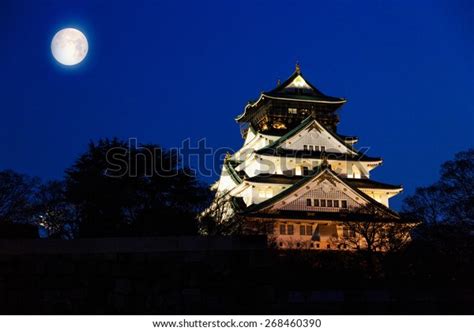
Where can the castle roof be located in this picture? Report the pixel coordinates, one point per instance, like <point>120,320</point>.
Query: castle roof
<point>311,180</point>
<point>275,148</point>
<point>295,88</point>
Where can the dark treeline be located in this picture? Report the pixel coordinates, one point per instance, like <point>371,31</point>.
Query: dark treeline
<point>111,190</point>
<point>446,209</point>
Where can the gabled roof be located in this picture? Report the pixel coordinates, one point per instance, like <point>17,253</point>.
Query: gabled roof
<point>326,171</point>
<point>303,125</point>
<point>296,88</point>
<point>275,149</point>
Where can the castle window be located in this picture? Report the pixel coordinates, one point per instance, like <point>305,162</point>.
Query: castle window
<point>329,203</point>
<point>336,203</point>
<point>316,202</point>
<point>305,147</point>
<point>309,230</point>
<point>323,203</point>
<point>328,246</point>
<point>292,111</point>
<point>302,230</point>
<point>344,204</point>
<point>323,148</point>
<point>282,229</point>
<point>308,202</point>
<point>290,229</point>
<point>310,147</point>
<point>316,148</point>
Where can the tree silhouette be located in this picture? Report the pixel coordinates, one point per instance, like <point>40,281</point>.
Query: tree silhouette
<point>125,190</point>
<point>54,213</point>
<point>451,198</point>
<point>375,231</point>
<point>220,218</point>
<point>447,210</point>
<point>17,193</point>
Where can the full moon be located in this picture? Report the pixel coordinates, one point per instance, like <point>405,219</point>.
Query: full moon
<point>69,46</point>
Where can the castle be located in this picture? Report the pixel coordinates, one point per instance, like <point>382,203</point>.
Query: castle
<point>296,178</point>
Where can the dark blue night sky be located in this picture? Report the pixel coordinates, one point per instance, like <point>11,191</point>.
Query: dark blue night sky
<point>164,71</point>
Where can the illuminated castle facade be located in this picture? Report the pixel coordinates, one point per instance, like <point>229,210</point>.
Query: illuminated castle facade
<point>296,178</point>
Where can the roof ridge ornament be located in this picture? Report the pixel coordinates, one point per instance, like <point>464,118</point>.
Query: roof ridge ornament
<point>298,68</point>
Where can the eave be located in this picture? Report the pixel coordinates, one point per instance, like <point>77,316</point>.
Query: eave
<point>360,183</point>
<point>296,99</point>
<point>318,216</point>
<point>316,155</point>
<point>233,174</point>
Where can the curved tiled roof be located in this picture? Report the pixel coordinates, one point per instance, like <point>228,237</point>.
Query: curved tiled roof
<point>285,92</point>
